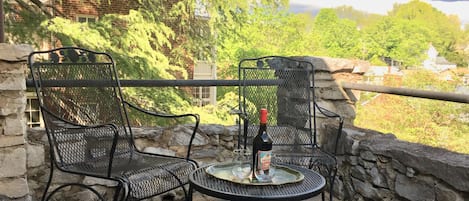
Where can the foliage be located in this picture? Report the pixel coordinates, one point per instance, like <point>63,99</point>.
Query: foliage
<point>404,41</point>
<point>259,35</point>
<point>164,42</point>
<point>336,37</point>
<point>23,25</point>
<point>436,123</point>
<point>241,29</point>
<point>158,42</point>
<point>362,19</point>
<point>405,33</point>
<point>148,43</point>
<point>443,30</point>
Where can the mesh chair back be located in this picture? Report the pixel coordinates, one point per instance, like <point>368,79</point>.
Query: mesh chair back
<point>77,88</point>
<point>283,86</point>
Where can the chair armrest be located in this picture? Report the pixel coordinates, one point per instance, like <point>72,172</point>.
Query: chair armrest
<point>91,135</point>
<point>196,118</point>
<point>331,114</point>
<point>327,112</point>
<point>242,117</point>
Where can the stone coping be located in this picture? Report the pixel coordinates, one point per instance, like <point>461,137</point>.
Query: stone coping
<point>451,167</point>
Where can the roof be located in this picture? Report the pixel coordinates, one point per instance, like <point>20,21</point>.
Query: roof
<point>443,61</point>
<point>382,70</point>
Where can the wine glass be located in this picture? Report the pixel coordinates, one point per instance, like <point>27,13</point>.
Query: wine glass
<point>241,163</point>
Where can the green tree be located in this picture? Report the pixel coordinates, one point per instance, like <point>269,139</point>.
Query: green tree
<point>156,40</point>
<point>21,25</point>
<point>336,37</point>
<point>363,19</point>
<point>266,30</point>
<point>442,30</point>
<point>400,40</point>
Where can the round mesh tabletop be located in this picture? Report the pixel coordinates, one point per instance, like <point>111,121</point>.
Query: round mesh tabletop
<point>312,184</point>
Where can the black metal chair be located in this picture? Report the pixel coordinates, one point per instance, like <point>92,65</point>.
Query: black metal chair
<point>89,129</point>
<point>285,87</point>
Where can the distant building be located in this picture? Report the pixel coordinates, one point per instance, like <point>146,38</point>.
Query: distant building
<point>465,80</point>
<point>376,74</point>
<point>436,63</point>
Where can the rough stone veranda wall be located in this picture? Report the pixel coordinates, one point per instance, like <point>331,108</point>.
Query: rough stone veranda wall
<point>13,146</point>
<point>327,90</point>
<point>373,166</point>
<point>376,166</point>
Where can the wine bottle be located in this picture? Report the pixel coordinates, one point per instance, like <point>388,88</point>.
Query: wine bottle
<point>262,150</point>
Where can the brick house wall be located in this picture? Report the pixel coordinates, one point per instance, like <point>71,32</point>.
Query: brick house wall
<point>73,8</point>
<point>95,9</point>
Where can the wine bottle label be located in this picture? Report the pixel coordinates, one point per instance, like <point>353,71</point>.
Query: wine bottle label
<point>263,160</point>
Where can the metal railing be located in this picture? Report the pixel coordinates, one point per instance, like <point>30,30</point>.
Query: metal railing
<point>152,83</point>
<point>444,96</point>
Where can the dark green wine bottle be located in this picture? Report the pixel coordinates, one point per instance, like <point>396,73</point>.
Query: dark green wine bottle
<point>261,147</point>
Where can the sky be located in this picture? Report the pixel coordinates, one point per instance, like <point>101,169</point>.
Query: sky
<point>455,7</point>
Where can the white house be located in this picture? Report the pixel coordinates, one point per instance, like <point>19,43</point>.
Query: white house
<point>376,74</point>
<point>436,63</point>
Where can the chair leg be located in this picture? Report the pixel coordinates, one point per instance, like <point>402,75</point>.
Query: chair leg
<point>100,197</point>
<point>331,185</point>
<point>116,194</point>
<point>51,173</point>
<point>189,196</point>
<point>120,188</point>
<point>125,188</point>
<point>328,171</point>
<point>186,194</point>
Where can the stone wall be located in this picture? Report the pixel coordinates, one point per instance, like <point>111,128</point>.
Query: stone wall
<point>327,92</point>
<point>372,165</point>
<point>328,72</point>
<point>213,143</point>
<point>13,147</point>
<point>376,166</point>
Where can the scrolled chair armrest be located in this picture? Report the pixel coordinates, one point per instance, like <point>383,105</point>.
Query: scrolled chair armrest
<point>158,114</point>
<point>327,112</point>
<point>67,125</point>
<point>331,114</point>
<point>107,132</point>
<point>196,118</point>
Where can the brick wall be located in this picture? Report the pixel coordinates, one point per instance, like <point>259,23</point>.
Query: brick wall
<point>73,8</point>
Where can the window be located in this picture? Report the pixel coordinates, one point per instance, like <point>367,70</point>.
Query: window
<point>201,9</point>
<point>201,96</point>
<point>86,18</point>
<point>204,95</point>
<point>32,112</point>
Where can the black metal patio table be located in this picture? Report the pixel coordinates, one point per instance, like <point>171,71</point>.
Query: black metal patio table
<point>312,185</point>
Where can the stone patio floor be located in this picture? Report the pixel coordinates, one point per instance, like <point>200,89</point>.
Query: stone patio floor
<point>200,197</point>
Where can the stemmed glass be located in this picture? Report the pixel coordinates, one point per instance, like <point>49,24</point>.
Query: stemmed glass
<point>241,163</point>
